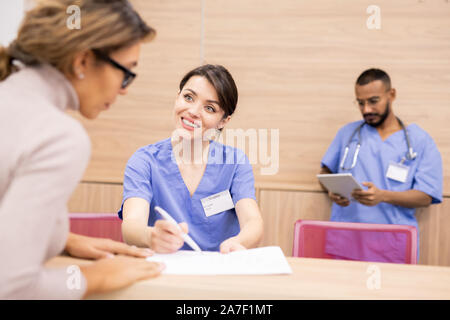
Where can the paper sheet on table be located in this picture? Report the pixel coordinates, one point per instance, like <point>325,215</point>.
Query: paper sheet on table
<point>266,260</point>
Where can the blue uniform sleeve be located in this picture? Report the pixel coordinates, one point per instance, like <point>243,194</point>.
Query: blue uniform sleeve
<point>243,184</point>
<point>428,177</point>
<point>137,177</point>
<point>332,157</point>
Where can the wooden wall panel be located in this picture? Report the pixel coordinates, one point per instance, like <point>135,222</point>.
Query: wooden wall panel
<point>96,198</point>
<point>280,210</point>
<point>434,224</point>
<point>295,63</point>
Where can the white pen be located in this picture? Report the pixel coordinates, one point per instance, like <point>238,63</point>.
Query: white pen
<point>185,236</point>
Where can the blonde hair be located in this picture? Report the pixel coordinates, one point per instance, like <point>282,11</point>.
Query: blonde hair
<point>44,36</point>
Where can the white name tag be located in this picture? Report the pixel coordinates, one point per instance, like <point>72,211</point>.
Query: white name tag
<point>217,203</point>
<point>397,172</point>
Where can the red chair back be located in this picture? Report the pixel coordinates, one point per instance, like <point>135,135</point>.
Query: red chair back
<point>355,241</point>
<point>100,225</point>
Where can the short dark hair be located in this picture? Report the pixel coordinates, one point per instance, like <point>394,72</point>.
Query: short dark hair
<point>221,80</point>
<point>373,75</point>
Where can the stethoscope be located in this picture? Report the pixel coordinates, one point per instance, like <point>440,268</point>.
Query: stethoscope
<point>410,154</point>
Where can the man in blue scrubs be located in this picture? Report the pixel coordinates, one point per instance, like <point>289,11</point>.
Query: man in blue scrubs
<point>398,178</point>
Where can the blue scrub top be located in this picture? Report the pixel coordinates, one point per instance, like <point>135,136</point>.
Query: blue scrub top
<point>152,174</point>
<point>425,172</point>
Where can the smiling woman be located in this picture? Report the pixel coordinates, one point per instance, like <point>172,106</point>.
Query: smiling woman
<point>213,201</point>
<point>47,69</point>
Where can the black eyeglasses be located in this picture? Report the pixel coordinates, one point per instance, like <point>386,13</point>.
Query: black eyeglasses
<point>128,74</point>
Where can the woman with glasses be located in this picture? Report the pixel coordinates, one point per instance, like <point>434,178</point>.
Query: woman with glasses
<point>205,186</point>
<point>47,69</point>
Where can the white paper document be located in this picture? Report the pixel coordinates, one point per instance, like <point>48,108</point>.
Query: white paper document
<point>258,261</point>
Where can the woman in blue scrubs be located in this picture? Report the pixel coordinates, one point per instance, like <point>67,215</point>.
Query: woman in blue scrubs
<point>207,187</point>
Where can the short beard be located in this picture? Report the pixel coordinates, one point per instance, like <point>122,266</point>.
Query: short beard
<point>383,116</point>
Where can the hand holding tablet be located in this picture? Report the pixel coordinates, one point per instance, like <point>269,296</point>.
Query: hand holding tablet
<point>342,184</point>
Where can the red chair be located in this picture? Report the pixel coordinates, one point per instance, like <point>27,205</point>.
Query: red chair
<point>100,225</point>
<point>355,241</point>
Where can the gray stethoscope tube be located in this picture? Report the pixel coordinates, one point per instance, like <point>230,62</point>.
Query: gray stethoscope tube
<point>410,155</point>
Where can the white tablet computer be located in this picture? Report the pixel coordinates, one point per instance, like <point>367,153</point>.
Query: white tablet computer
<point>342,184</point>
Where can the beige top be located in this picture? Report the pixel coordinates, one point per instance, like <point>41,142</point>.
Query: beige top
<point>43,154</point>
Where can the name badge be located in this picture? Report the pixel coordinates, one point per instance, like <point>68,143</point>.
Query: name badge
<point>397,172</point>
<point>217,203</point>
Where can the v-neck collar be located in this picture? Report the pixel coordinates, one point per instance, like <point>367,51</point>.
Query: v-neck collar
<point>390,137</point>
<point>177,171</point>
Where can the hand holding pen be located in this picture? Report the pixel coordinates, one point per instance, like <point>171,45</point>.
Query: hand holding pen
<point>168,236</point>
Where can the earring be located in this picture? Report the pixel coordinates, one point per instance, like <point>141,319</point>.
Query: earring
<point>80,75</point>
<point>218,132</point>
